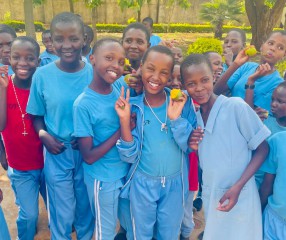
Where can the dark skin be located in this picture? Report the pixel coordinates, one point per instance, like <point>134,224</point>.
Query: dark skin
<point>266,189</point>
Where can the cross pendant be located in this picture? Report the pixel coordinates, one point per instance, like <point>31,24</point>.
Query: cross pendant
<point>25,133</point>
<point>164,127</point>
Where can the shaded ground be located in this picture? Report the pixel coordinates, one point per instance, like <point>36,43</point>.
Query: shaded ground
<point>11,212</point>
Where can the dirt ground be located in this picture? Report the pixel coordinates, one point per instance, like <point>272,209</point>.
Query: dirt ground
<point>11,211</point>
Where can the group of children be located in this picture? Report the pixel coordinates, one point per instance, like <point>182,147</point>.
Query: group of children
<point>117,149</point>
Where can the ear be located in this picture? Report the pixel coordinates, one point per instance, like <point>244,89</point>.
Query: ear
<point>39,61</point>
<point>92,59</point>
<point>148,45</point>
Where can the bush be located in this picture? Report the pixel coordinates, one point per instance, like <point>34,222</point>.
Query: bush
<point>281,67</point>
<point>19,26</point>
<point>202,45</point>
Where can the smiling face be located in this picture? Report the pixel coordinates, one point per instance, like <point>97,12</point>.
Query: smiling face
<point>198,81</point>
<point>156,70</point>
<point>108,62</point>
<point>278,103</point>
<point>24,60</point>
<point>68,40</point>
<point>175,81</point>
<point>47,41</point>
<point>273,49</point>
<point>5,47</point>
<point>178,54</point>
<point>216,62</point>
<point>135,44</point>
<point>233,41</point>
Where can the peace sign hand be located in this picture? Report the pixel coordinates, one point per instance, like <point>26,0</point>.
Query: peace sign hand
<point>122,105</point>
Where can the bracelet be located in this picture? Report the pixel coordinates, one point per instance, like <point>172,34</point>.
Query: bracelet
<point>247,86</point>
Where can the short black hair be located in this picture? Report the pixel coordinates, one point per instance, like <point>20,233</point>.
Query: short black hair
<point>282,85</point>
<point>67,17</point>
<point>159,49</point>
<point>102,41</point>
<point>282,32</point>
<point>89,32</point>
<point>23,39</point>
<point>241,33</point>
<point>139,26</point>
<point>194,59</point>
<point>48,31</point>
<point>148,20</point>
<point>4,28</point>
<point>208,53</point>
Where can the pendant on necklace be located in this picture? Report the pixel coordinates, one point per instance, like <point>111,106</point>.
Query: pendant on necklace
<point>25,133</point>
<point>164,127</point>
<point>23,116</point>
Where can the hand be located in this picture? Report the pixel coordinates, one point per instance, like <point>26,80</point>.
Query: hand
<point>262,113</point>
<point>1,195</point>
<point>135,81</point>
<point>74,144</point>
<point>3,160</point>
<point>4,76</point>
<point>241,58</point>
<point>169,43</point>
<point>51,144</point>
<point>228,55</point>
<point>122,106</point>
<point>262,70</point>
<point>175,107</point>
<point>195,137</point>
<point>229,199</point>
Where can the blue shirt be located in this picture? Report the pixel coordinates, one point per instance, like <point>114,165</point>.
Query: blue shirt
<point>10,71</point>
<point>154,40</point>
<point>264,86</point>
<point>276,164</point>
<point>161,156</point>
<point>95,116</point>
<point>273,125</point>
<point>52,95</point>
<point>47,58</point>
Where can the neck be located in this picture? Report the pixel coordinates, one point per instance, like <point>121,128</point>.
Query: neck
<point>155,100</point>
<point>23,84</point>
<point>100,86</point>
<point>70,67</point>
<point>135,64</point>
<point>282,121</point>
<point>207,107</point>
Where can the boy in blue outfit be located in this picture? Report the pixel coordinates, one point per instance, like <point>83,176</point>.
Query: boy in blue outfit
<point>49,54</point>
<point>154,39</point>
<point>157,180</point>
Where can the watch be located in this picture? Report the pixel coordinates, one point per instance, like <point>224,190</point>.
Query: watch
<point>247,86</point>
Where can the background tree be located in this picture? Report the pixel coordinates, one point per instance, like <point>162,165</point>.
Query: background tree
<point>136,4</point>
<point>29,19</point>
<point>218,11</point>
<point>263,16</point>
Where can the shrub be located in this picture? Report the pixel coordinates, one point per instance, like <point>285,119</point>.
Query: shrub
<point>281,67</point>
<point>202,45</point>
<point>19,26</point>
<point>131,20</point>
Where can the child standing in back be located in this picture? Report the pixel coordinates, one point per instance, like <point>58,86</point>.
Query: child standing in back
<point>231,147</point>
<point>97,128</point>
<point>23,146</point>
<point>157,180</point>
<point>49,55</point>
<point>53,92</point>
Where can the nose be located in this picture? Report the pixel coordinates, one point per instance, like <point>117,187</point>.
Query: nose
<point>274,103</point>
<point>6,49</point>
<point>176,83</point>
<point>66,44</point>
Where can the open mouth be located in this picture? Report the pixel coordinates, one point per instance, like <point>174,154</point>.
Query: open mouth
<point>153,85</point>
<point>112,73</point>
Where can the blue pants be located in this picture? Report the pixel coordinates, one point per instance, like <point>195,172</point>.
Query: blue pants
<point>4,233</point>
<point>26,185</point>
<point>156,200</point>
<point>103,199</point>
<point>188,223</point>
<point>67,196</point>
<point>124,216</point>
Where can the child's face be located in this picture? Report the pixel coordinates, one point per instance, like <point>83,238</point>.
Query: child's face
<point>175,80</point>
<point>234,42</point>
<point>274,48</point>
<point>135,44</point>
<point>216,62</point>
<point>47,41</point>
<point>24,60</point>
<point>68,40</point>
<point>148,26</point>
<point>108,62</point>
<point>198,81</point>
<point>5,47</point>
<point>156,70</point>
<point>178,54</point>
<point>278,104</point>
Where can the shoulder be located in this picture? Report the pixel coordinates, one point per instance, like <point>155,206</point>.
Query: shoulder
<point>83,100</point>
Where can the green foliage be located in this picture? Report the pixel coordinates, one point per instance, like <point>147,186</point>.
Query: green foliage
<point>93,3</point>
<point>131,20</point>
<point>7,16</point>
<point>38,2</point>
<point>19,26</point>
<point>202,45</point>
<point>281,67</point>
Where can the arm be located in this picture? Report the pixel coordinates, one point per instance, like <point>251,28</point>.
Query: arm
<point>3,159</point>
<point>3,96</point>
<point>51,144</point>
<point>266,189</point>
<point>90,153</point>
<point>233,193</point>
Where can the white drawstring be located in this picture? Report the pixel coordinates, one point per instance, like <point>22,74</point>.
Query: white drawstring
<point>163,181</point>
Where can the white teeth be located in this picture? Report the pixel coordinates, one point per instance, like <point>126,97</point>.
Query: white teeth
<point>113,74</point>
<point>22,71</point>
<point>153,84</point>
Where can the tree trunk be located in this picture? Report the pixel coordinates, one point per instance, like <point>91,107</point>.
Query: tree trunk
<point>218,30</point>
<point>29,19</point>
<point>71,6</point>
<point>139,15</point>
<point>93,22</point>
<point>157,11</point>
<point>262,19</point>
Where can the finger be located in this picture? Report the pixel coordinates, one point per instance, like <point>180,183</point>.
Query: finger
<point>127,95</point>
<point>122,92</point>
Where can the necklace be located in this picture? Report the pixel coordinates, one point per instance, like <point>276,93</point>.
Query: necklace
<point>164,126</point>
<point>22,114</point>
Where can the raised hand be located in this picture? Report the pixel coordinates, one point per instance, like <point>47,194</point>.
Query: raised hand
<point>135,81</point>
<point>228,56</point>
<point>195,138</point>
<point>4,76</point>
<point>241,58</point>
<point>122,105</point>
<point>176,106</point>
<point>262,113</point>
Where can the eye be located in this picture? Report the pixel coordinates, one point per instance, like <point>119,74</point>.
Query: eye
<point>128,41</point>
<point>205,80</point>
<point>281,47</point>
<point>165,73</point>
<point>15,58</point>
<point>108,58</point>
<point>30,59</point>
<point>140,42</point>
<point>122,62</point>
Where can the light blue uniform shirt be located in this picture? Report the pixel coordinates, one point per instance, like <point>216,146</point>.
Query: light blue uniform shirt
<point>95,116</point>
<point>273,125</point>
<point>10,71</point>
<point>276,164</point>
<point>161,156</point>
<point>47,58</point>
<point>52,95</point>
<point>264,86</point>
<point>154,40</point>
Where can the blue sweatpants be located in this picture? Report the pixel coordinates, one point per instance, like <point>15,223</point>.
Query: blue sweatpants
<point>26,185</point>
<point>188,223</point>
<point>124,216</point>
<point>4,233</point>
<point>67,196</point>
<point>103,199</point>
<point>156,200</point>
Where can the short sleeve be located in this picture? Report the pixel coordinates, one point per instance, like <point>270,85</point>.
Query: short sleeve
<point>82,122</point>
<point>270,165</point>
<point>36,102</point>
<point>234,78</point>
<point>251,127</point>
